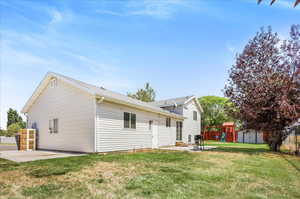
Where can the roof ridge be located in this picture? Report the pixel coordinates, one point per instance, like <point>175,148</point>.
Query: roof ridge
<point>112,94</point>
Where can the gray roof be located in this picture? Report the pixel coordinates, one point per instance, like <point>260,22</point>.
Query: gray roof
<point>108,95</point>
<point>171,102</point>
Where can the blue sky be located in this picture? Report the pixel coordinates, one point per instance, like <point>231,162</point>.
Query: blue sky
<point>181,47</point>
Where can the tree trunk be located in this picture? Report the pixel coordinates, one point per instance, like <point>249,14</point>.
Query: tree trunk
<point>274,147</point>
<point>275,141</point>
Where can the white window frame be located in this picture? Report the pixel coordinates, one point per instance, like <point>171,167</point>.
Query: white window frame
<point>195,115</point>
<point>53,125</point>
<point>130,126</point>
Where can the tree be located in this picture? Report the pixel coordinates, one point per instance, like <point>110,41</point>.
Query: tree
<point>2,132</point>
<point>146,94</point>
<point>13,129</point>
<point>14,117</point>
<point>273,1</point>
<point>264,84</point>
<point>214,108</point>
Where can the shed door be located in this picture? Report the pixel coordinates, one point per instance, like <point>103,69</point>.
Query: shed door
<point>155,134</point>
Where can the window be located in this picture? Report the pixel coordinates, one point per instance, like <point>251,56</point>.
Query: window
<point>195,115</point>
<point>168,122</point>
<point>50,126</point>
<point>53,126</point>
<point>178,131</point>
<point>53,83</point>
<point>150,125</point>
<point>129,120</point>
<point>133,121</point>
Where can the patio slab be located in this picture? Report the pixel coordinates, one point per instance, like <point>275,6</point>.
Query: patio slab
<point>188,148</point>
<point>27,156</point>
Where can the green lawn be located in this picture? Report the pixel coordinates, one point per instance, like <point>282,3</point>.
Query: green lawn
<point>230,171</point>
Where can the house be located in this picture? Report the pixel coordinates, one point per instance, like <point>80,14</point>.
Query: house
<point>190,109</point>
<point>71,115</point>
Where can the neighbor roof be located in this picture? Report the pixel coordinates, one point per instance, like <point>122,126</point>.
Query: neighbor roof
<point>97,92</point>
<point>171,102</point>
<point>176,102</point>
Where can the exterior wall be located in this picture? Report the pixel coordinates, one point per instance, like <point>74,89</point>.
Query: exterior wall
<point>190,126</point>
<point>75,111</point>
<point>166,135</point>
<point>112,136</point>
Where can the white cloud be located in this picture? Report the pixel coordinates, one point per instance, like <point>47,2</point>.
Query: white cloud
<point>152,8</point>
<point>24,62</point>
<point>108,12</point>
<point>155,8</point>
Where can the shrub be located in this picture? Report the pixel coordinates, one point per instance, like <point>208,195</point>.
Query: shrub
<point>13,129</point>
<point>2,132</point>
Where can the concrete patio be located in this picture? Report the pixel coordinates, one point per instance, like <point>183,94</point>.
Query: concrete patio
<point>27,156</point>
<point>188,148</point>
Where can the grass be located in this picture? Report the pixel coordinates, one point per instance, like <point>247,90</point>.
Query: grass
<point>230,171</point>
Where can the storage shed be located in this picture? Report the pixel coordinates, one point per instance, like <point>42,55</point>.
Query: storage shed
<point>250,136</point>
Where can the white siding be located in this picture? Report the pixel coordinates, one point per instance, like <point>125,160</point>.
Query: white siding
<point>190,126</point>
<point>75,110</point>
<point>112,136</point>
<point>166,135</point>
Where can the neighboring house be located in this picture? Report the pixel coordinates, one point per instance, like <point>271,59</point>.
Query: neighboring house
<point>71,115</point>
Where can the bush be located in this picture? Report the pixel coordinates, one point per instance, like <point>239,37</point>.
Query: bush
<point>13,129</point>
<point>3,132</point>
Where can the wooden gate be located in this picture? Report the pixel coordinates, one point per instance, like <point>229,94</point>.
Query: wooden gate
<point>27,139</point>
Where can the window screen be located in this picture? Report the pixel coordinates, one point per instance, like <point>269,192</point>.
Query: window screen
<point>178,131</point>
<point>150,125</point>
<point>50,126</point>
<point>195,115</point>
<point>168,122</point>
<point>55,125</point>
<point>133,120</point>
<point>126,119</point>
<point>129,120</point>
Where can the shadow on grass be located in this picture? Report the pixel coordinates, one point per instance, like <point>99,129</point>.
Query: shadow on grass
<point>293,164</point>
<point>241,150</point>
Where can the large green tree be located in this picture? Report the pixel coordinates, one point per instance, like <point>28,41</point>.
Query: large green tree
<point>14,117</point>
<point>214,108</point>
<point>146,94</point>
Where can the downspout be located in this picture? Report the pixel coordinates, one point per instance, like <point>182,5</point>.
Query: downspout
<point>97,100</point>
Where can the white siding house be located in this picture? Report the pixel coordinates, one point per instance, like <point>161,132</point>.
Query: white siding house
<point>190,109</point>
<point>70,115</point>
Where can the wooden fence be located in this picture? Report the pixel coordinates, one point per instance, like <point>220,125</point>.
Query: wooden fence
<point>292,144</point>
